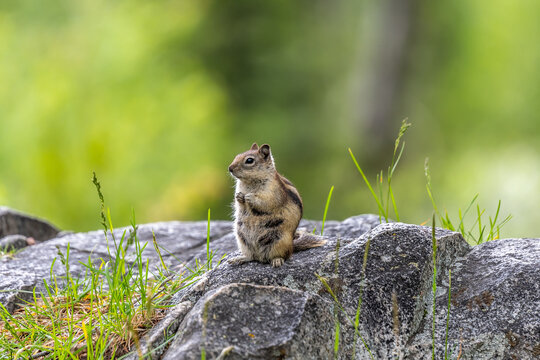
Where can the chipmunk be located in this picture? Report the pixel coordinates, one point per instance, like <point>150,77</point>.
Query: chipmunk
<point>268,209</point>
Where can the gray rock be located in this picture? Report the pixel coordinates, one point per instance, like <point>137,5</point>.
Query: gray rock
<point>495,306</point>
<point>256,322</point>
<point>13,242</point>
<point>399,261</point>
<point>301,266</point>
<point>254,311</point>
<point>183,241</point>
<point>16,223</point>
<point>162,333</point>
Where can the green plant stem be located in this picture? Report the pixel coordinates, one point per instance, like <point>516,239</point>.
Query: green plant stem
<point>329,289</point>
<point>448,314</point>
<point>208,258</point>
<point>326,208</point>
<point>434,286</point>
<point>379,204</point>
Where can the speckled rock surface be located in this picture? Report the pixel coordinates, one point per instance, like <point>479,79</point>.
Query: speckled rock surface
<point>28,268</point>
<point>259,322</point>
<point>254,311</point>
<point>495,311</point>
<point>398,262</point>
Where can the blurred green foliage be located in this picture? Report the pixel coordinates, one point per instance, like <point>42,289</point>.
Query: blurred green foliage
<point>157,98</point>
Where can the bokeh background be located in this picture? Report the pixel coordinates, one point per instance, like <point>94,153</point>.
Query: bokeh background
<point>157,97</point>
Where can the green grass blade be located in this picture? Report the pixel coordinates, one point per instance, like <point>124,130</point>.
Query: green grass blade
<point>395,163</point>
<point>156,247</point>
<point>493,223</point>
<point>331,292</point>
<point>461,226</point>
<point>391,193</point>
<point>480,227</point>
<point>326,208</point>
<point>360,295</point>
<point>502,223</point>
<point>434,286</point>
<point>363,277</point>
<point>428,188</point>
<point>208,260</point>
<point>381,208</point>
<point>385,213</point>
<point>448,314</point>
<point>336,339</point>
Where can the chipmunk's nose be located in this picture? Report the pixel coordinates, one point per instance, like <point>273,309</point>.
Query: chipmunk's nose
<point>230,169</point>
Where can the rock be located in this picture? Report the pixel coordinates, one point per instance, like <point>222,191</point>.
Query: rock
<point>16,223</point>
<point>256,322</point>
<point>28,268</point>
<point>163,331</point>
<point>254,311</point>
<point>398,262</point>
<point>14,242</point>
<point>495,304</point>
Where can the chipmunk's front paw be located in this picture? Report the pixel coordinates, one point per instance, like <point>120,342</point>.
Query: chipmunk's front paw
<point>249,198</point>
<point>277,262</point>
<point>237,260</point>
<point>240,197</point>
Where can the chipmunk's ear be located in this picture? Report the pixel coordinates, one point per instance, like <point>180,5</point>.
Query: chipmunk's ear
<point>265,151</point>
<point>254,147</point>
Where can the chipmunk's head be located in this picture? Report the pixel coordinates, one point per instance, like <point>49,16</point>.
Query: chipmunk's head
<point>255,164</point>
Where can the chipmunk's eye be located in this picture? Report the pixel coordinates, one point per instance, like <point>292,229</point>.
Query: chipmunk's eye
<point>250,160</point>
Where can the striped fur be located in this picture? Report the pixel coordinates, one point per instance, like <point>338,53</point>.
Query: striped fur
<point>268,209</point>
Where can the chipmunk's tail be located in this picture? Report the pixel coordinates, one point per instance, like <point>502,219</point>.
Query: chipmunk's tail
<point>304,240</point>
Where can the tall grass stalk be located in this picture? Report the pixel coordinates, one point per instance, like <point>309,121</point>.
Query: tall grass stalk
<point>336,337</point>
<point>336,310</point>
<point>208,259</point>
<point>395,160</point>
<point>331,292</point>
<point>448,314</point>
<point>383,203</point>
<point>360,295</point>
<point>326,208</point>
<point>368,184</point>
<point>434,285</point>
